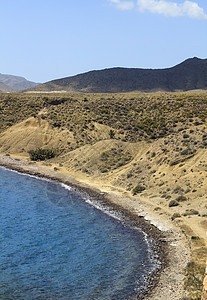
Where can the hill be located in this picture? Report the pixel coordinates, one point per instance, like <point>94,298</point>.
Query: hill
<point>188,75</point>
<point>15,83</point>
<point>150,148</point>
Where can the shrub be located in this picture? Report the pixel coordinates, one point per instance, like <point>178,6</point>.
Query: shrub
<point>157,208</point>
<point>42,154</point>
<point>195,237</point>
<point>190,212</point>
<point>138,189</point>
<point>111,134</point>
<point>129,175</point>
<point>153,154</point>
<point>173,203</point>
<point>175,215</point>
<point>194,275</point>
<point>181,198</point>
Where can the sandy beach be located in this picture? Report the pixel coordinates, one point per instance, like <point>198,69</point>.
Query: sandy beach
<point>172,245</point>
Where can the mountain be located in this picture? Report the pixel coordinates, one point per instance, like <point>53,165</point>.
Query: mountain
<point>15,83</point>
<point>5,88</point>
<point>188,75</point>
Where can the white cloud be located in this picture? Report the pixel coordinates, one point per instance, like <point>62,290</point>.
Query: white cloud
<point>172,9</point>
<point>123,5</point>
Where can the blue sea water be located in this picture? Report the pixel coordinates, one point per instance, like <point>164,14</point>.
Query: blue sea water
<point>55,245</point>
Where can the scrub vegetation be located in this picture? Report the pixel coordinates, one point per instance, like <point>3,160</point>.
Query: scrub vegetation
<point>42,154</point>
<point>131,117</point>
<point>152,146</point>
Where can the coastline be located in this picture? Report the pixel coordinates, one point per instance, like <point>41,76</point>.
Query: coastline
<point>171,244</point>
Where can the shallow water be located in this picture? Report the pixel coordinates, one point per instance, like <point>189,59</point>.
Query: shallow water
<point>55,245</point>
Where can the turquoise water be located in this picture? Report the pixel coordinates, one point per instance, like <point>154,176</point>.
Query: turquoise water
<point>55,245</point>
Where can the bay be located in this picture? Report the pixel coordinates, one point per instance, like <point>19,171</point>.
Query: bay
<point>55,245</point>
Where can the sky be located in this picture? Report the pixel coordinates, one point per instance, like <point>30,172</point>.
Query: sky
<point>51,39</point>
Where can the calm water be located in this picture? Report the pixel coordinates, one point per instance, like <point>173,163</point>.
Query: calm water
<point>54,245</point>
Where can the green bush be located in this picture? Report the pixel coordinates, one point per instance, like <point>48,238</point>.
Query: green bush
<point>42,154</point>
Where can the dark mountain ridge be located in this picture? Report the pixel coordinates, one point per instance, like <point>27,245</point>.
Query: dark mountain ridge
<point>188,75</point>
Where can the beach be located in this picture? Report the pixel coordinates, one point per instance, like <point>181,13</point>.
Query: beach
<point>172,245</point>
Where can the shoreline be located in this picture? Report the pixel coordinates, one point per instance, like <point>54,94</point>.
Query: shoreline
<point>169,242</point>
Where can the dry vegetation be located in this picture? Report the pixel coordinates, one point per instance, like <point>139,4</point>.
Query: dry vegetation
<point>148,145</point>
<point>134,117</point>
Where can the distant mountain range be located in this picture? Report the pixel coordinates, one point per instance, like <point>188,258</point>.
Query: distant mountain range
<point>5,88</point>
<point>9,83</point>
<point>188,75</point>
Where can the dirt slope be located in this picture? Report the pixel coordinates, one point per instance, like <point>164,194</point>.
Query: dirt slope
<point>31,134</point>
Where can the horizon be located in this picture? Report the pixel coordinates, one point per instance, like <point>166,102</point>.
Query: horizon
<point>47,41</point>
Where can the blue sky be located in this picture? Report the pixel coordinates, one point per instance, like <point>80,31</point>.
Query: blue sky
<point>48,39</point>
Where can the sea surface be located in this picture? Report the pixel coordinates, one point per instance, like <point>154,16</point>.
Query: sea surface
<point>55,245</point>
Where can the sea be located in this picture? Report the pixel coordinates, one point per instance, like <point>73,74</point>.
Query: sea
<point>56,243</point>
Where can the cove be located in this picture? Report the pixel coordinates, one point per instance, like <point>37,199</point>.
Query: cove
<point>55,245</point>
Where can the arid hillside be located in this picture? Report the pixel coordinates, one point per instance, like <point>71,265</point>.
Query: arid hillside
<point>148,146</point>
<point>132,117</point>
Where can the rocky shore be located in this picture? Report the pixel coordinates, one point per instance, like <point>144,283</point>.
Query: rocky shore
<point>171,245</point>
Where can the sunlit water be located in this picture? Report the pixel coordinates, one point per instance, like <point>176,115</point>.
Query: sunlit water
<point>54,245</point>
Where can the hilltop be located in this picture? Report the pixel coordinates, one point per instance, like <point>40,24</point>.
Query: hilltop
<point>188,75</point>
<point>10,83</point>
